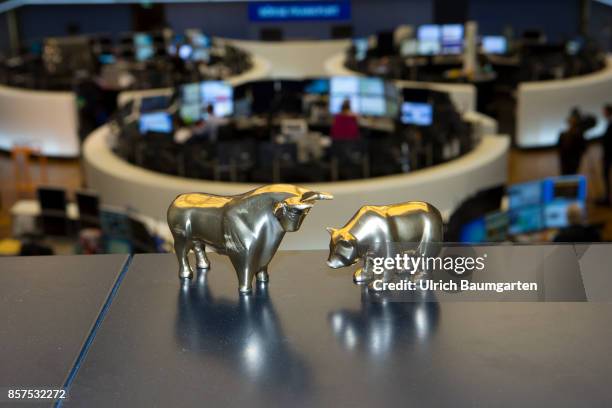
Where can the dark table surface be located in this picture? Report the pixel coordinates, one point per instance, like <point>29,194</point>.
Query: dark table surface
<point>48,306</point>
<point>312,338</point>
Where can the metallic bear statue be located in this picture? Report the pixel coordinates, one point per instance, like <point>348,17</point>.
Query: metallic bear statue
<point>385,231</point>
<point>247,227</point>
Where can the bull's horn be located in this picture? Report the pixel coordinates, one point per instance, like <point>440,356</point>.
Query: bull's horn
<point>330,230</point>
<point>315,195</point>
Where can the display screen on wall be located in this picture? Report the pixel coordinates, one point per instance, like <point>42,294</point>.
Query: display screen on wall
<point>299,10</point>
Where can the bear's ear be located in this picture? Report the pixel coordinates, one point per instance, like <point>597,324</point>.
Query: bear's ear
<point>331,230</point>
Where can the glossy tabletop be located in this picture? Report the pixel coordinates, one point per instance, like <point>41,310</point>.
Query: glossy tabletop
<point>48,306</point>
<point>312,338</point>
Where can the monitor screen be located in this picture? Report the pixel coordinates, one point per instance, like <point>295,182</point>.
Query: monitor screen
<point>367,96</point>
<point>200,55</point>
<point>185,51</point>
<point>429,47</point>
<point>371,86</point>
<point>555,214</point>
<point>566,188</point>
<point>220,94</point>
<point>190,93</point>
<point>346,85</point>
<point>317,87</point>
<point>525,219</point>
<point>361,48</point>
<point>494,44</point>
<point>473,232</point>
<point>409,47</point>
<point>525,194</point>
<point>497,226</point>
<point>190,113</point>
<point>154,103</point>
<point>106,59</point>
<point>198,40</point>
<point>558,194</point>
<point>452,38</point>
<point>415,113</point>
<point>143,45</point>
<point>372,105</point>
<point>429,32</point>
<point>158,122</point>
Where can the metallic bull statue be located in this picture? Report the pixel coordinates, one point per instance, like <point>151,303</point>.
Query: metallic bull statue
<point>383,232</point>
<point>247,227</point>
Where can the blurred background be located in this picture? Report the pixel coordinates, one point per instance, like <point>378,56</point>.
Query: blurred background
<point>497,112</point>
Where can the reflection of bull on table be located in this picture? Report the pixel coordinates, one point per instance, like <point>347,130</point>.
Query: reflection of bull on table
<point>246,336</point>
<point>247,227</point>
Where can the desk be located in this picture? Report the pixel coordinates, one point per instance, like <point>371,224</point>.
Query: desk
<point>313,339</point>
<point>48,308</point>
<point>24,214</point>
<point>120,183</point>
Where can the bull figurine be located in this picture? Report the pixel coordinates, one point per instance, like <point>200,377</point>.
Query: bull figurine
<point>383,232</point>
<point>247,227</point>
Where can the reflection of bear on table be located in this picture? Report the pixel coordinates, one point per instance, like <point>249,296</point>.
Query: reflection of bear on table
<point>384,231</point>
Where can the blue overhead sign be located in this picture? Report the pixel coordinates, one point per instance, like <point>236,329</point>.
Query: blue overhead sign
<point>300,10</point>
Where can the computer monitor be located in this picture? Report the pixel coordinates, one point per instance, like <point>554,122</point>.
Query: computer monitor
<point>371,86</point>
<point>190,113</point>
<point>51,198</point>
<point>143,46</point>
<point>451,39</point>
<point>473,232</point>
<point>220,94</point>
<point>429,47</point>
<point>494,44</point>
<point>361,48</point>
<point>409,47</point>
<point>525,194</point>
<point>558,194</point>
<point>156,122</point>
<point>154,103</point>
<point>106,59</point>
<point>496,224</point>
<point>372,105</point>
<point>428,32</point>
<point>417,113</point>
<point>525,219</point>
<point>200,55</point>
<point>344,85</point>
<point>317,87</point>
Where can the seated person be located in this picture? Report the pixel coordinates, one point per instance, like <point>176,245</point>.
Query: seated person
<point>345,126</point>
<point>211,124</point>
<point>577,230</point>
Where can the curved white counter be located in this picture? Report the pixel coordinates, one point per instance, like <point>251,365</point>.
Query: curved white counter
<point>543,106</point>
<point>446,185</point>
<point>46,120</point>
<point>462,95</point>
<point>295,59</point>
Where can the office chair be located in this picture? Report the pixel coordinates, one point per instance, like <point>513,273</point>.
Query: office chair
<point>53,214</point>
<point>88,204</point>
<point>235,159</point>
<point>199,159</point>
<point>141,240</point>
<point>349,160</point>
